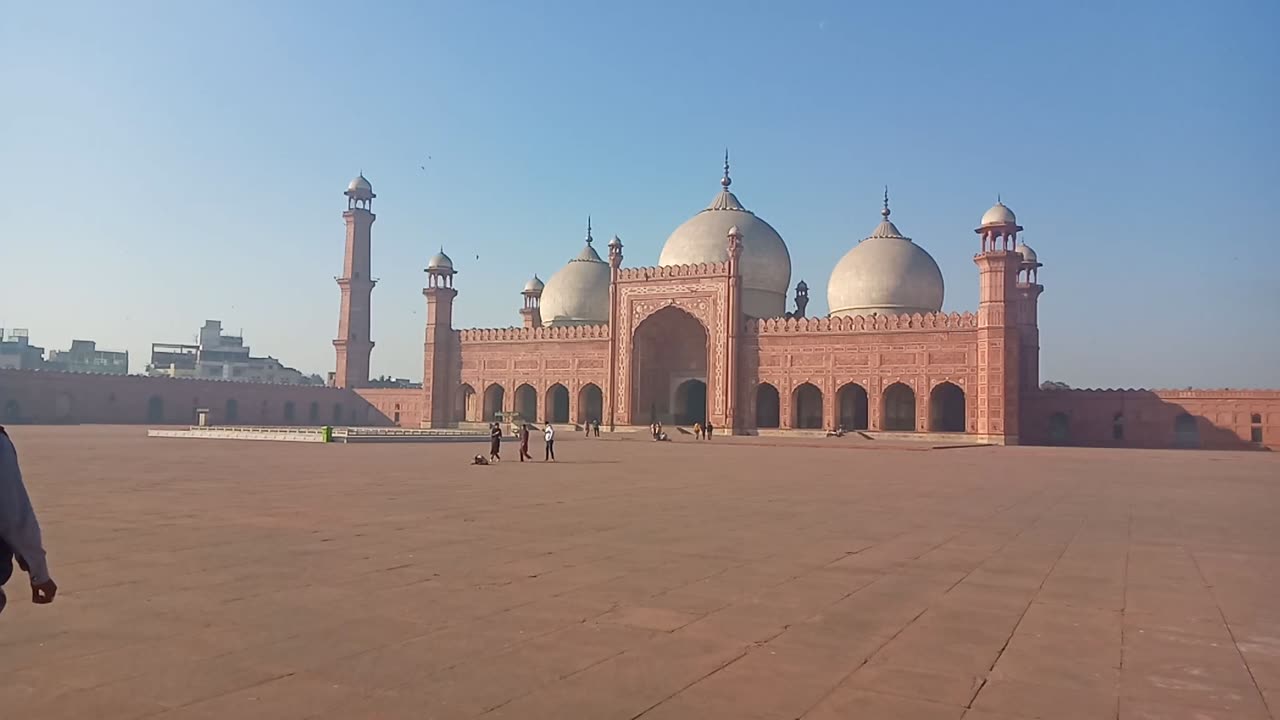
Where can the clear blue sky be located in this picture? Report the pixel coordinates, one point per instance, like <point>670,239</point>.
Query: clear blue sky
<point>163,163</point>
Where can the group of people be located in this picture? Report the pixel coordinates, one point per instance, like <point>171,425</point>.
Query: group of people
<point>522,434</point>
<point>657,432</point>
<point>702,432</point>
<point>591,426</point>
<point>19,531</point>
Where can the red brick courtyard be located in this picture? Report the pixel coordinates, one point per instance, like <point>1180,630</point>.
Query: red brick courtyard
<point>237,580</point>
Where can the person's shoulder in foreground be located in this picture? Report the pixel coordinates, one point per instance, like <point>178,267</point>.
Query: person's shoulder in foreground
<point>19,530</point>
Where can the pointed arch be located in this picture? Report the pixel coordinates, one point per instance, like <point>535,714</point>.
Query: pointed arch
<point>899,407</point>
<point>852,406</point>
<point>232,410</point>
<point>806,404</point>
<point>590,403</point>
<point>527,403</point>
<point>1186,431</point>
<point>946,408</point>
<point>768,406</point>
<point>494,396</point>
<point>557,404</point>
<point>464,408</point>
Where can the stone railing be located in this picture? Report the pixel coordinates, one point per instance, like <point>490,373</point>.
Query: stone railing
<point>569,332</point>
<point>864,323</point>
<point>673,271</point>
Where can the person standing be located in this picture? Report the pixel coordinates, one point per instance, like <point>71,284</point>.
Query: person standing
<point>19,531</point>
<point>707,430</point>
<point>524,442</point>
<point>550,436</point>
<point>495,442</point>
<point>596,424</point>
<point>697,431</point>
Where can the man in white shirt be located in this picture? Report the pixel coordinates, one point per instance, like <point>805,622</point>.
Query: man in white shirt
<point>19,530</point>
<point>550,436</point>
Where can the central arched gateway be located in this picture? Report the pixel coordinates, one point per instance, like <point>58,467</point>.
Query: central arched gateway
<point>670,369</point>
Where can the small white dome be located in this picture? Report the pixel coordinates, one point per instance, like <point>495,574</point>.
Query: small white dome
<point>360,187</point>
<point>765,262</point>
<point>1028,255</point>
<point>440,261</point>
<point>999,214</point>
<point>578,294</point>
<point>885,274</point>
<point>535,285</point>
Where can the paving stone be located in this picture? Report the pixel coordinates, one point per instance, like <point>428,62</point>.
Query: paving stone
<point>727,580</point>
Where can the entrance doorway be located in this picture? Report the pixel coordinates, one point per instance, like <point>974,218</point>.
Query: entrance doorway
<point>899,408</point>
<point>852,403</point>
<point>557,404</point>
<point>690,405</point>
<point>767,406</point>
<point>669,369</point>
<point>946,408</point>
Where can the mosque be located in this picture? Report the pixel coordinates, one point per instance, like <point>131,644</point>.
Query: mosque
<point>706,335</point>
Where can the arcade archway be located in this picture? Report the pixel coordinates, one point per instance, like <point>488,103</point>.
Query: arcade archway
<point>590,404</point>
<point>464,407</point>
<point>669,375</point>
<point>1186,432</point>
<point>806,402</point>
<point>494,395</point>
<point>946,408</point>
<point>899,408</point>
<point>768,410</point>
<point>690,406</point>
<point>557,404</point>
<point>527,403</point>
<point>851,402</point>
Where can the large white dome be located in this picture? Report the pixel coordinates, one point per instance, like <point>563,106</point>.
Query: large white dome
<point>765,262</point>
<point>885,274</point>
<point>578,294</point>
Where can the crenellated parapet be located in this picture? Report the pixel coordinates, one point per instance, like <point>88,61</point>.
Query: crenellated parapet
<point>660,272</point>
<point>569,332</point>
<point>864,323</point>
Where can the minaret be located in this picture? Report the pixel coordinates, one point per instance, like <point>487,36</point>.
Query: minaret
<point>532,312</point>
<point>802,298</point>
<point>733,322</point>
<point>353,344</point>
<point>611,392</point>
<point>1029,289</point>
<point>995,407</point>
<point>439,355</point>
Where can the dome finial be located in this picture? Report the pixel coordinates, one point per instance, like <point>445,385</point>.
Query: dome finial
<point>998,200</point>
<point>885,212</point>
<point>725,182</point>
<point>588,229</point>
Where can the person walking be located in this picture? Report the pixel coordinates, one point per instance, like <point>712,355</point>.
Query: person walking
<point>495,442</point>
<point>524,442</point>
<point>697,431</point>
<point>550,436</point>
<point>706,431</point>
<point>19,531</point>
<point>596,425</point>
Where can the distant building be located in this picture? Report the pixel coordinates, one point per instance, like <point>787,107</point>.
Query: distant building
<point>390,382</point>
<point>17,352</point>
<point>84,356</point>
<point>219,357</point>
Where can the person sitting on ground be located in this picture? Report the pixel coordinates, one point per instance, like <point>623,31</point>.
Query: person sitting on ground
<point>479,460</point>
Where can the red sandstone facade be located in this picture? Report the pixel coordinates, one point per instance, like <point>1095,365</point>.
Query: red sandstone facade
<point>678,349</point>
